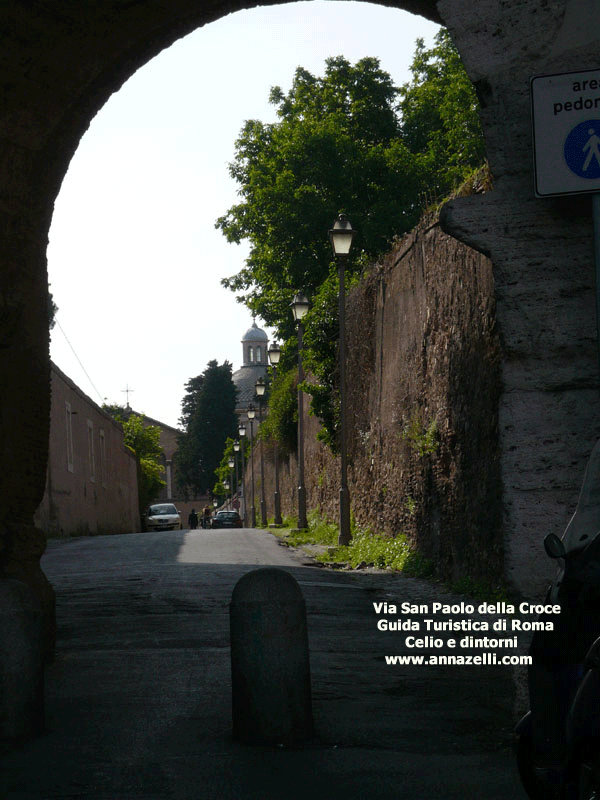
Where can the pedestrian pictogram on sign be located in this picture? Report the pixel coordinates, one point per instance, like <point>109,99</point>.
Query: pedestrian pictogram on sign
<point>582,149</point>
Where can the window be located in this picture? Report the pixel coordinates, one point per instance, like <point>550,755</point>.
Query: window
<point>169,476</point>
<point>258,355</point>
<point>250,354</point>
<point>69,421</point>
<point>103,473</point>
<point>91,460</point>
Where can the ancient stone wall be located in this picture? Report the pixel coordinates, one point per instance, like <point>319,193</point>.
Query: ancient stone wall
<point>541,250</point>
<point>423,386</point>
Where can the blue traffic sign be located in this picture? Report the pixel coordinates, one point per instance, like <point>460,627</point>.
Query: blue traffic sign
<point>582,149</point>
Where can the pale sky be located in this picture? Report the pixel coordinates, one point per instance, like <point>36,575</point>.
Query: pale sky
<point>134,260</point>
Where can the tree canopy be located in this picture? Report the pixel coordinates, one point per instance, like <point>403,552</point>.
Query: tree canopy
<point>208,417</point>
<point>223,473</point>
<point>439,116</point>
<point>336,147</point>
<point>352,142</point>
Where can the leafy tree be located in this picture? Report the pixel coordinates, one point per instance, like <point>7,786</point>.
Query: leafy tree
<point>439,111</point>
<point>144,441</point>
<point>52,310</point>
<point>208,414</point>
<point>223,473</point>
<point>348,141</point>
<point>188,405</point>
<point>336,147</point>
<point>351,142</point>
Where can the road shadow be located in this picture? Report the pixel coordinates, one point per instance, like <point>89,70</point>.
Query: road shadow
<point>139,698</point>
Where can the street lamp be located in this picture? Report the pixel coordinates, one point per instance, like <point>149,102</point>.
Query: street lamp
<point>236,449</point>
<point>260,388</point>
<point>341,236</point>
<point>242,433</point>
<point>274,353</point>
<point>231,464</point>
<point>251,412</point>
<point>300,307</point>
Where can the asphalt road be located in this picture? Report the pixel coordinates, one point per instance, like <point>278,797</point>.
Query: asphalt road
<point>139,697</point>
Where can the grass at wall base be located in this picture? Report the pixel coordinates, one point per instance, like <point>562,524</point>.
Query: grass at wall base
<point>365,548</point>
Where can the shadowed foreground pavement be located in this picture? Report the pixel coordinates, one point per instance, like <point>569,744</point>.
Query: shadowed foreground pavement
<point>139,698</point>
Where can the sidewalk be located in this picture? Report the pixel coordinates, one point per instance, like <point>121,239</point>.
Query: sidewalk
<point>138,700</point>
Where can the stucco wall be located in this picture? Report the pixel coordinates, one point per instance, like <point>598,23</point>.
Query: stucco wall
<point>91,484</point>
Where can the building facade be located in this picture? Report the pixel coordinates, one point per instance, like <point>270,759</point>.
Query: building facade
<point>91,478</point>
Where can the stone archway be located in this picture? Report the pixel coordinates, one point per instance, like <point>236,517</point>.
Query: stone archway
<point>61,61</point>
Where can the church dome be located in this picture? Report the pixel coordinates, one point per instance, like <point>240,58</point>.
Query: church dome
<point>254,347</point>
<point>255,334</point>
<point>254,365</point>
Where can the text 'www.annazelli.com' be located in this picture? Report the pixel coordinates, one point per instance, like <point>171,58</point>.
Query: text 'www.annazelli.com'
<point>462,660</point>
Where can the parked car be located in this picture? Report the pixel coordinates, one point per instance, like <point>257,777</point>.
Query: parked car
<point>227,519</point>
<point>162,517</point>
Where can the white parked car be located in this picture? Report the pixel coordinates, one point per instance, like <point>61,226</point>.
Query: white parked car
<point>162,517</point>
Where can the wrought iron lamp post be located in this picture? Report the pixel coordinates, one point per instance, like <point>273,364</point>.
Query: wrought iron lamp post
<point>341,236</point>
<point>251,412</point>
<point>260,387</point>
<point>242,433</point>
<point>300,307</point>
<point>274,353</point>
<point>236,450</point>
<point>231,464</point>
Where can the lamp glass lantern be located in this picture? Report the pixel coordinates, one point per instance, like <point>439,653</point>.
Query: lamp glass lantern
<point>236,445</point>
<point>341,236</point>
<point>274,353</point>
<point>242,429</point>
<point>260,387</point>
<point>231,463</point>
<point>300,306</point>
<point>251,412</point>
